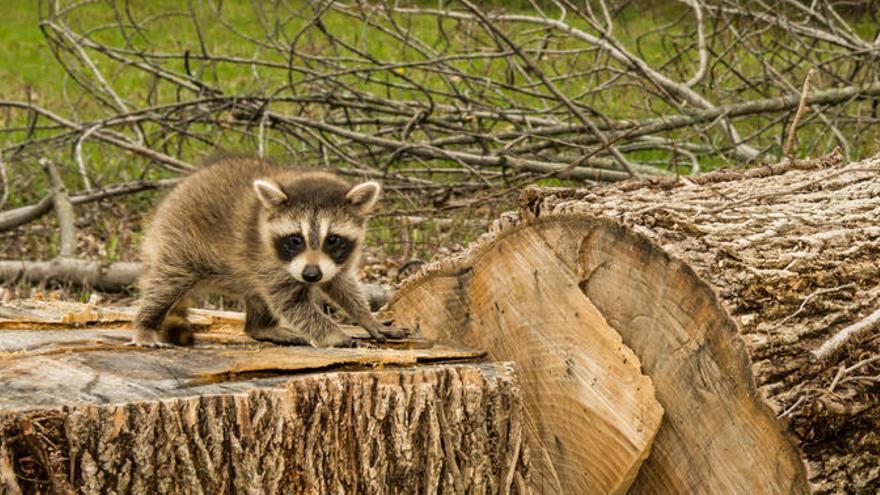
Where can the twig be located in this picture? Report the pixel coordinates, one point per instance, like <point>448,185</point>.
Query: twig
<point>701,45</point>
<point>802,106</point>
<point>792,407</point>
<point>841,370</point>
<point>864,362</point>
<point>844,335</point>
<point>618,156</point>
<point>63,209</point>
<point>5,180</point>
<point>807,299</point>
<point>77,151</point>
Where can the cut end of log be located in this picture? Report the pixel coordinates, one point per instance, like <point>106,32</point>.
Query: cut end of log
<point>592,414</point>
<point>690,274</point>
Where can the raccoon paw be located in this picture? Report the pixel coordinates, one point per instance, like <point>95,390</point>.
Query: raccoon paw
<point>176,330</point>
<point>279,335</point>
<point>380,331</point>
<point>148,338</point>
<point>394,332</point>
<point>336,338</point>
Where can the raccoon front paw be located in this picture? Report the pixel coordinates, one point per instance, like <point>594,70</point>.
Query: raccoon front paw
<point>336,338</point>
<point>394,332</point>
<point>148,338</point>
<point>279,335</point>
<point>380,331</point>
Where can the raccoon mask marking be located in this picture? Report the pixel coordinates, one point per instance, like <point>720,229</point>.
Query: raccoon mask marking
<point>316,229</point>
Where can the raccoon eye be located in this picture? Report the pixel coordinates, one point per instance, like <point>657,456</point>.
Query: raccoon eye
<point>332,241</point>
<point>288,246</point>
<point>295,241</point>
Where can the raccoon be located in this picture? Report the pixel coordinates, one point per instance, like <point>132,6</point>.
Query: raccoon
<point>281,239</point>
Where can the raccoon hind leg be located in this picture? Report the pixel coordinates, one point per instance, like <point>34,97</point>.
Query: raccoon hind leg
<point>160,294</point>
<point>176,328</point>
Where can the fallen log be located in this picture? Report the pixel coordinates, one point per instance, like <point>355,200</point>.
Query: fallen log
<point>591,414</point>
<point>17,217</point>
<point>81,412</point>
<point>722,285</point>
<point>103,276</point>
<point>114,277</point>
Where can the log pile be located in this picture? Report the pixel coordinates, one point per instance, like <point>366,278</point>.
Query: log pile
<point>749,297</point>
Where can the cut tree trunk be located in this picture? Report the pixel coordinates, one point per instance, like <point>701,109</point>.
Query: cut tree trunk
<point>592,414</point>
<point>82,413</point>
<point>722,285</point>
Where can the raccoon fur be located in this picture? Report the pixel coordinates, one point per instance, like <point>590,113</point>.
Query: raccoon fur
<point>281,239</point>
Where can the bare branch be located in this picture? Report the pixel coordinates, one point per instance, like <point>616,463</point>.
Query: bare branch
<point>11,219</point>
<point>63,209</point>
<point>844,335</point>
<point>808,86</point>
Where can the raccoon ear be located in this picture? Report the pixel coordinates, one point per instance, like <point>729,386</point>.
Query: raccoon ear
<point>269,193</point>
<point>364,196</point>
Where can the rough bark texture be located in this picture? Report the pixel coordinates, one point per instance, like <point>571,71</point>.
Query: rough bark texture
<point>81,412</point>
<point>722,285</point>
<point>452,429</point>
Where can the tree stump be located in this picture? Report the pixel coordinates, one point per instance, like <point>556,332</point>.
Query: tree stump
<point>81,412</point>
<point>724,286</point>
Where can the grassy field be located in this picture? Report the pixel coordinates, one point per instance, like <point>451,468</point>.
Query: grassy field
<point>111,231</point>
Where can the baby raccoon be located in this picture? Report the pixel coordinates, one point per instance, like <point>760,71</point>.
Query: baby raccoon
<point>281,239</point>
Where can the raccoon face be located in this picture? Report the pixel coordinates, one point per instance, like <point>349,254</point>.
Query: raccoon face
<point>316,228</point>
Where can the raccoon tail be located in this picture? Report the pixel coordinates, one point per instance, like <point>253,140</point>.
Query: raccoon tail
<point>176,329</point>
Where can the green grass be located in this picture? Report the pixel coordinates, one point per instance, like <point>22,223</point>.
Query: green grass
<point>27,61</point>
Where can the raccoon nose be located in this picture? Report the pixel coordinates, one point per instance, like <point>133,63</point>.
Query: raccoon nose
<point>312,273</point>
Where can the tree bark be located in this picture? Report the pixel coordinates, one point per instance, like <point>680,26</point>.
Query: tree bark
<point>721,284</point>
<point>103,276</point>
<point>81,413</point>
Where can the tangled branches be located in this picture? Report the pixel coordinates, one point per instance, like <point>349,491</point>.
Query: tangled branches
<point>451,101</point>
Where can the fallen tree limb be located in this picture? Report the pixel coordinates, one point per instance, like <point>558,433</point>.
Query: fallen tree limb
<point>104,276</point>
<point>561,170</point>
<point>765,105</point>
<point>63,210</point>
<point>11,219</point>
<point>844,335</point>
<point>116,276</point>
